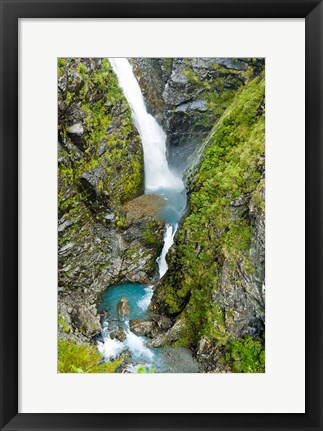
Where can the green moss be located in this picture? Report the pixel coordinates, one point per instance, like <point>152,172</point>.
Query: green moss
<point>149,234</point>
<point>245,355</point>
<point>168,64</point>
<point>218,231</point>
<point>149,237</point>
<point>65,327</point>
<point>82,359</point>
<point>109,140</point>
<point>61,63</point>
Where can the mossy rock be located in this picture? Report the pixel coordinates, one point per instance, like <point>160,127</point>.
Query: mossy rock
<point>149,205</point>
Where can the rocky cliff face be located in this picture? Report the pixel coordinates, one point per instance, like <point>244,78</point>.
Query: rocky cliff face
<point>214,288</point>
<point>102,237</point>
<point>187,95</point>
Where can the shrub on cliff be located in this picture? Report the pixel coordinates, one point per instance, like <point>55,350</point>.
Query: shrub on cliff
<point>82,359</point>
<point>245,356</point>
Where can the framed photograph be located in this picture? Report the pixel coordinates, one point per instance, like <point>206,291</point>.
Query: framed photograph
<point>161,215</point>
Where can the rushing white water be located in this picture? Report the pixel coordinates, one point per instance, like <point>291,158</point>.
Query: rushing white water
<point>144,302</point>
<point>168,242</point>
<point>157,172</point>
<point>111,348</point>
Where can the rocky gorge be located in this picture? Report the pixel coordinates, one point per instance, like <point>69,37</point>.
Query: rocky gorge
<point>111,230</point>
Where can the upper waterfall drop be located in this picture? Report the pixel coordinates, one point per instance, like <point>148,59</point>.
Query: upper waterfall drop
<point>157,172</point>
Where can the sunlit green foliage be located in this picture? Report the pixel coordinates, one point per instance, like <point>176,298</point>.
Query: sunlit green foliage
<point>142,370</point>
<point>245,355</point>
<point>65,327</point>
<point>82,359</point>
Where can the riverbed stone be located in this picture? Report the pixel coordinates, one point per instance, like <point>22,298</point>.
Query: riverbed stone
<point>162,321</point>
<point>118,334</point>
<point>179,360</point>
<point>144,327</point>
<point>169,337</point>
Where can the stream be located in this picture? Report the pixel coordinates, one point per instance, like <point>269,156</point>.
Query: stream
<point>159,179</point>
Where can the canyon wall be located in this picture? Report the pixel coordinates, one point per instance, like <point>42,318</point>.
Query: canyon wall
<point>107,231</point>
<point>214,288</point>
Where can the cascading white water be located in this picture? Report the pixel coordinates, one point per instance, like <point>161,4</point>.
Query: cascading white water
<point>168,242</point>
<point>157,172</point>
<point>112,347</point>
<point>158,179</point>
<point>144,302</point>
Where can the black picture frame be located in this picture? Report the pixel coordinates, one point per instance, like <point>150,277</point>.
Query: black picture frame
<point>11,11</point>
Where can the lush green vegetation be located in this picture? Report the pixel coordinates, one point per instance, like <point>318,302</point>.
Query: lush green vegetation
<point>143,370</point>
<point>63,325</point>
<point>218,231</point>
<point>149,234</point>
<point>82,359</point>
<point>245,355</point>
<point>109,142</point>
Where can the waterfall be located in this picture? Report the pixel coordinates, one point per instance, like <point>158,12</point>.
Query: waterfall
<point>111,348</point>
<point>158,179</point>
<point>168,242</point>
<point>157,172</point>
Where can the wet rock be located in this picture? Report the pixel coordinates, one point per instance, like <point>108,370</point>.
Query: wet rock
<point>123,308</point>
<point>148,205</point>
<point>119,334</point>
<point>143,327</point>
<point>167,338</point>
<point>85,321</point>
<point>158,341</point>
<point>196,105</point>
<point>142,239</point>
<point>152,74</point>
<point>162,321</point>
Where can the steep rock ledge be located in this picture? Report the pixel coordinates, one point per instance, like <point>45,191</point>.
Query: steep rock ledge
<point>100,169</point>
